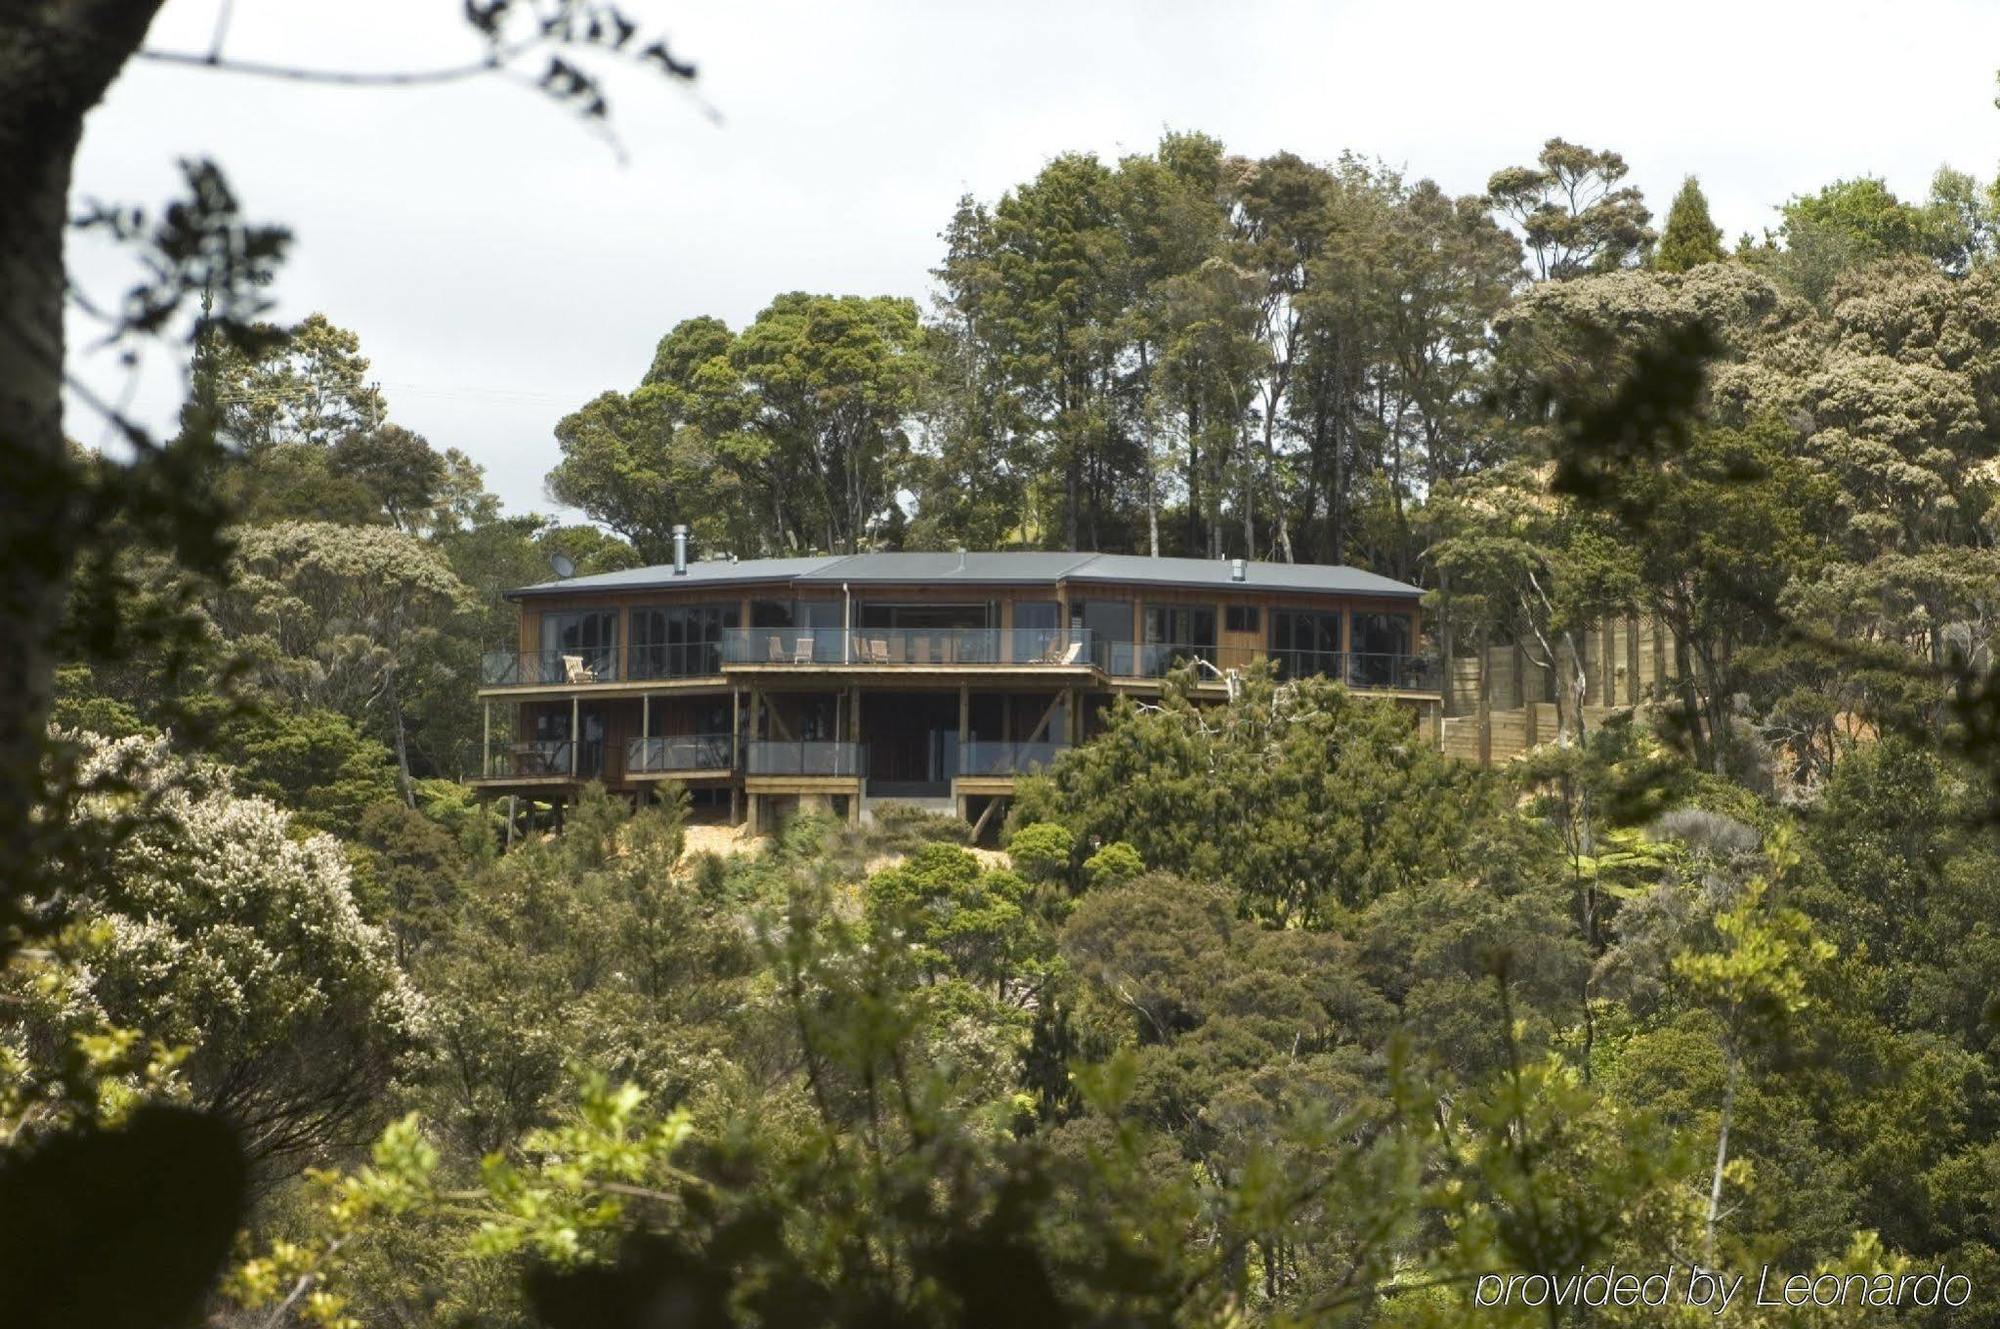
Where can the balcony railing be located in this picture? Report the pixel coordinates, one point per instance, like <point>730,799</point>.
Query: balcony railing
<point>1358,669</point>
<point>529,668</point>
<point>694,659</point>
<point>1362,669</point>
<point>894,647</point>
<point>546,758</point>
<point>890,647</point>
<point>1155,659</point>
<point>769,757</point>
<point>680,752</point>
<point>981,756</point>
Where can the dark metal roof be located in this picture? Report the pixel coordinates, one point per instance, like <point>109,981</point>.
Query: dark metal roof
<point>987,569</point>
<point>707,572</point>
<point>992,569</point>
<point>1217,572</point>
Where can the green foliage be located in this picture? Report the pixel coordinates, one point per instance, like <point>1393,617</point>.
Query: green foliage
<point>957,918</point>
<point>723,427</point>
<point>212,926</point>
<point>1042,851</point>
<point>905,827</point>
<point>1113,865</point>
<point>1572,212</point>
<point>1304,798</point>
<point>1690,237</point>
<point>1283,1019</point>
<point>315,762</point>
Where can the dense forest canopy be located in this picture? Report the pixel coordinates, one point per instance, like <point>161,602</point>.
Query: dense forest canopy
<point>1269,1013</point>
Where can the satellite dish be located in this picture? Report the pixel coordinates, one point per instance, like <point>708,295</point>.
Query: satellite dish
<point>564,565</point>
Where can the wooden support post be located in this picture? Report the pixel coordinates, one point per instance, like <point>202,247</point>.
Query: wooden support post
<point>1485,719</point>
<point>575,734</point>
<point>486,741</point>
<point>1042,725</point>
<point>513,811</point>
<point>750,817</point>
<point>979,826</point>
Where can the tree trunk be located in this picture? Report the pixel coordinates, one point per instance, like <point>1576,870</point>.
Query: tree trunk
<point>1249,494</point>
<point>1721,1159</point>
<point>1283,528</point>
<point>55,62</point>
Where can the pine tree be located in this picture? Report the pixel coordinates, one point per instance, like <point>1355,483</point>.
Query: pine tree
<point>1691,238</point>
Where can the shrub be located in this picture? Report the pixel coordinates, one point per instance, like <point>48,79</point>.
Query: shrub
<point>1113,865</point>
<point>1042,851</point>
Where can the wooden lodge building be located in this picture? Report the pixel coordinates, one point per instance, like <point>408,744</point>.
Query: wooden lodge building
<point>938,679</point>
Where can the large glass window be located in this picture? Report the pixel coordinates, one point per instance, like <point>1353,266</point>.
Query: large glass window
<point>1176,634</point>
<point>679,641</point>
<point>1305,641</point>
<point>1037,628</point>
<point>1381,648</point>
<point>883,614</point>
<point>1037,614</point>
<point>825,618</point>
<point>587,636</point>
<point>1109,623</point>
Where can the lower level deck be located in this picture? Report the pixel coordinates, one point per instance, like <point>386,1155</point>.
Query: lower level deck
<point>754,752</point>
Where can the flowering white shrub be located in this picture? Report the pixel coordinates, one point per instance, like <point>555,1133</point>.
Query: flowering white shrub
<point>206,922</point>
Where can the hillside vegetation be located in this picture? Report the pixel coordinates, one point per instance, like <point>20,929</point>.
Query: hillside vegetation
<point>1275,1015</point>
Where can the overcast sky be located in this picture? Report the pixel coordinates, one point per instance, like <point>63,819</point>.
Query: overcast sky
<point>501,266</point>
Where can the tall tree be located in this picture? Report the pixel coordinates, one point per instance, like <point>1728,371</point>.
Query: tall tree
<point>1057,302</point>
<point>645,461</point>
<point>330,615</point>
<point>1573,213</point>
<point>1691,238</point>
<point>1281,219</point>
<point>828,387</point>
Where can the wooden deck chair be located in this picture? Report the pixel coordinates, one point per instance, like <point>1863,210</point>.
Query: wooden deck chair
<point>576,671</point>
<point>1073,654</point>
<point>878,650</point>
<point>777,649</point>
<point>802,651</point>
